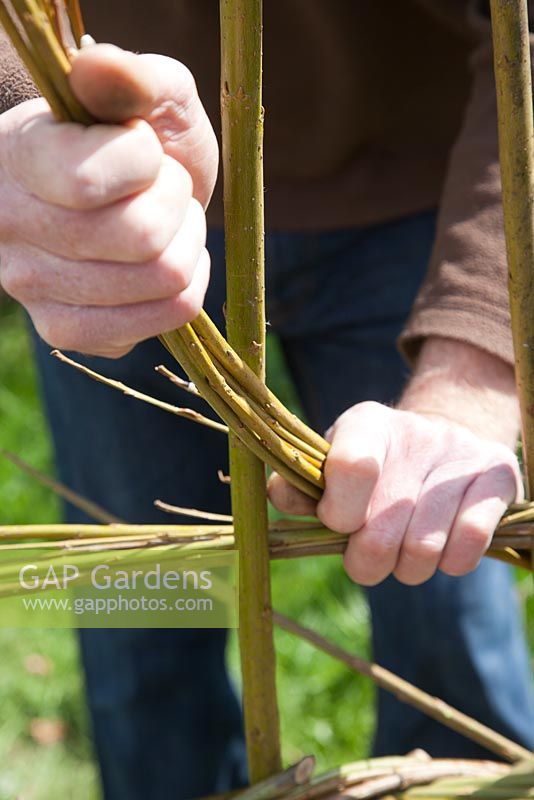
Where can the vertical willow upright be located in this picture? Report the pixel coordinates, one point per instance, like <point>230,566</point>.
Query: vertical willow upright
<point>242,127</point>
<point>511,46</point>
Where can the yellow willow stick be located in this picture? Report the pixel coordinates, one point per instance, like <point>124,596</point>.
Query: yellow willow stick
<point>47,47</point>
<point>241,407</point>
<point>177,347</point>
<point>87,506</point>
<point>305,449</point>
<point>513,78</point>
<point>242,152</point>
<point>31,61</point>
<point>406,692</point>
<point>187,386</point>
<point>186,413</point>
<point>192,512</point>
<point>252,385</point>
<point>76,20</point>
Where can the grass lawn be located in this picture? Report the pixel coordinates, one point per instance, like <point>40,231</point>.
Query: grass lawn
<point>45,750</point>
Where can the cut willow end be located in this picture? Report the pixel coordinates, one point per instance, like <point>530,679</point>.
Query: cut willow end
<point>279,785</point>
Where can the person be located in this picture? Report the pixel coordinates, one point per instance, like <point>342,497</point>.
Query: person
<point>381,158</point>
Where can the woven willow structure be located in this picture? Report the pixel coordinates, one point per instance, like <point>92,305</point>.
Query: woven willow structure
<point>230,376</point>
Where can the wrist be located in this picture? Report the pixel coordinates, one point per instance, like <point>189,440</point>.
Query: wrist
<point>457,382</point>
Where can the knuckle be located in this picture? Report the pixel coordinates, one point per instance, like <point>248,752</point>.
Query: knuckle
<point>371,407</point>
<point>112,352</point>
<point>409,578</point>
<point>176,277</point>
<point>190,304</point>
<point>85,187</point>
<point>474,537</point>
<point>177,264</point>
<point>375,545</point>
<point>360,572</point>
<point>174,177</point>
<point>198,221</point>
<point>379,546</point>
<point>176,107</point>
<point>49,329</point>
<point>347,464</point>
<point>457,566</point>
<point>186,80</point>
<point>20,279</point>
<point>149,234</point>
<point>56,326</point>
<point>422,549</point>
<point>327,513</point>
<point>367,408</point>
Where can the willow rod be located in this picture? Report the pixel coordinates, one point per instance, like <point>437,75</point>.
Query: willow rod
<point>407,693</point>
<point>242,129</point>
<point>516,145</point>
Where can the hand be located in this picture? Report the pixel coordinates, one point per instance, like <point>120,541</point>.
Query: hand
<point>418,491</point>
<point>102,229</point>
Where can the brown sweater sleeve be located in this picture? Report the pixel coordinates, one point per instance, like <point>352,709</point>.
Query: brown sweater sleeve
<point>16,86</point>
<point>465,293</point>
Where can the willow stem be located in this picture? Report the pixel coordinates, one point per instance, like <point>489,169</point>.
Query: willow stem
<point>513,78</point>
<point>252,385</point>
<point>176,345</point>
<point>186,413</point>
<point>407,693</point>
<point>242,127</point>
<point>92,510</point>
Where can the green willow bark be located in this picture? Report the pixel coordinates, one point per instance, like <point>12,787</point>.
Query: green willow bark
<point>513,77</point>
<point>516,145</point>
<point>242,127</point>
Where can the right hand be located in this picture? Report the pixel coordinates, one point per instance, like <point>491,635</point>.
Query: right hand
<point>102,229</point>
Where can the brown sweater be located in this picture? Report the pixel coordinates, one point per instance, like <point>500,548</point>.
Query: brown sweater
<point>375,109</point>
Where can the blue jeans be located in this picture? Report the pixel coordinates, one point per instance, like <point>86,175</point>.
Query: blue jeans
<point>166,720</point>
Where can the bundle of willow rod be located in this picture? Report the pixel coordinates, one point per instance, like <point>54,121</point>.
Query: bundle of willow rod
<point>512,540</point>
<point>89,542</point>
<point>416,775</point>
<point>47,33</point>
<point>287,539</point>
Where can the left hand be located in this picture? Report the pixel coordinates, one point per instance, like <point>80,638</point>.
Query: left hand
<point>418,491</point>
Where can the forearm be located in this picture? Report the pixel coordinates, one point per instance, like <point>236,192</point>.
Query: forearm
<point>456,381</point>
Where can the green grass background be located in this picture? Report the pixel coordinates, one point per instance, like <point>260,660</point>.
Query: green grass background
<point>324,708</point>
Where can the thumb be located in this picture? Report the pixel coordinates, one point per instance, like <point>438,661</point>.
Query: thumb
<point>115,86</point>
<point>287,499</point>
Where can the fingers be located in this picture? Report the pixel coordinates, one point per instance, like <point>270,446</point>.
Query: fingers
<point>287,499</point>
<point>353,467</point>
<point>478,515</point>
<point>112,332</point>
<point>373,551</point>
<point>115,85</point>
<point>416,495</point>
<point>428,530</point>
<point>137,229</point>
<point>29,274</point>
<point>84,167</point>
